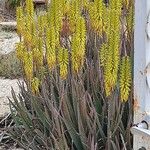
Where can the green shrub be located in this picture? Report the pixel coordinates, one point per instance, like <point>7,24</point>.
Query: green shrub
<point>14,3</point>
<point>10,66</point>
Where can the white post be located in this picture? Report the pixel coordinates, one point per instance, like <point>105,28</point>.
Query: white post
<point>141,70</point>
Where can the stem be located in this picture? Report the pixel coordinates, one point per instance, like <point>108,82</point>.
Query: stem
<point>108,125</point>
<point>69,70</point>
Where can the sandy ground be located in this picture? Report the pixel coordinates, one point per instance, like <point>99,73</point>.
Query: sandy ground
<point>5,93</point>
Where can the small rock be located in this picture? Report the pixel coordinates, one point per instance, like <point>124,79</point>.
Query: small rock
<point>8,41</point>
<point>39,1</point>
<point>8,25</point>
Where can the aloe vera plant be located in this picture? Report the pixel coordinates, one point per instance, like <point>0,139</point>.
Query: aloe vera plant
<point>77,67</point>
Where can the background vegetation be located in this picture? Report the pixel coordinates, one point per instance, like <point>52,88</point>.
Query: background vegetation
<point>10,66</point>
<point>77,67</point>
<point>14,3</point>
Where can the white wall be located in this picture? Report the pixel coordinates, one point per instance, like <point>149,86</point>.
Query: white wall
<point>141,60</point>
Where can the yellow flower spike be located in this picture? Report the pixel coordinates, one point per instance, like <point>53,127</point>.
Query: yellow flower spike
<point>55,15</point>
<point>63,71</point>
<point>126,3</point>
<point>125,78</point>
<point>30,8</point>
<point>74,14</point>
<point>96,9</point>
<point>51,58</point>
<point>28,39</point>
<point>20,47</point>
<point>111,49</point>
<point>76,7</point>
<point>30,25</point>
<point>76,65</point>
<point>42,23</point>
<point>35,56</point>
<point>20,17</point>
<point>130,19</point>
<point>28,65</point>
<point>33,29</point>
<point>78,44</point>
<point>85,3</point>
<point>103,54</point>
<point>51,42</point>
<point>35,85</point>
<point>63,62</point>
<point>39,52</point>
<point>51,38</point>
<point>19,13</point>
<point>66,8</point>
<point>38,57</point>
